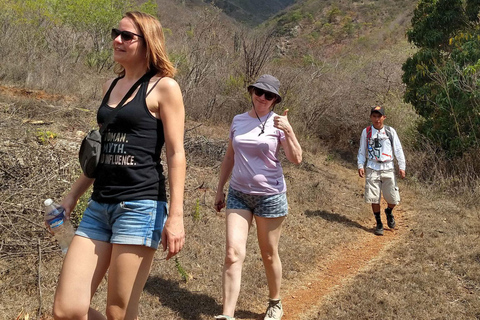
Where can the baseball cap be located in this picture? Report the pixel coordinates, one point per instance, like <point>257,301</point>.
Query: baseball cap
<point>378,109</point>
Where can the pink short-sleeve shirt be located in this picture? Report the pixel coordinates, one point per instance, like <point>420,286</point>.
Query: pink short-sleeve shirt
<point>256,168</point>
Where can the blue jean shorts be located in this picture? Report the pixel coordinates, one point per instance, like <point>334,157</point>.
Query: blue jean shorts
<point>137,222</point>
<point>272,206</point>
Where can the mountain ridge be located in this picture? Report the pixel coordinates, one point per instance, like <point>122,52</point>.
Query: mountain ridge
<point>251,12</point>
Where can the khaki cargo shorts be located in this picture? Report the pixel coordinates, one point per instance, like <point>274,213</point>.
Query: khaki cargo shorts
<point>378,182</point>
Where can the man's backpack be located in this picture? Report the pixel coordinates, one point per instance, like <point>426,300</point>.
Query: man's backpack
<point>387,130</point>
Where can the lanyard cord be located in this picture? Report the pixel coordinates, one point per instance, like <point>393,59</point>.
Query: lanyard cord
<point>265,122</point>
<point>375,141</point>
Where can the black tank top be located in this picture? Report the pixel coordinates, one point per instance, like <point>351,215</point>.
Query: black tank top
<point>130,167</point>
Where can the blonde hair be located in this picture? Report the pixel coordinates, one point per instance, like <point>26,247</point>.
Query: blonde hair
<point>157,57</point>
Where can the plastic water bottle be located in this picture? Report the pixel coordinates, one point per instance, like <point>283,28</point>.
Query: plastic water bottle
<point>60,226</point>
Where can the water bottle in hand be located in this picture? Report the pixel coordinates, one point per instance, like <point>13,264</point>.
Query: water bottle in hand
<point>60,226</point>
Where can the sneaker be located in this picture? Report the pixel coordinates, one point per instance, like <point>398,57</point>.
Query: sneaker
<point>390,220</point>
<point>379,229</point>
<point>224,317</point>
<point>274,310</point>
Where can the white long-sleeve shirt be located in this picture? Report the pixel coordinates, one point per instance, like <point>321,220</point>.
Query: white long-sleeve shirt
<point>378,150</point>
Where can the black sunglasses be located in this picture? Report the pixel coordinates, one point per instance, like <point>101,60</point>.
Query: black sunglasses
<point>268,95</point>
<point>126,35</point>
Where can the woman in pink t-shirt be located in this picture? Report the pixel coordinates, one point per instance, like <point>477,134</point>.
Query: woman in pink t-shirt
<point>257,190</point>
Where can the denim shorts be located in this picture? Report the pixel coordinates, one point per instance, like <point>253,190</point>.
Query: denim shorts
<point>137,222</point>
<point>272,206</point>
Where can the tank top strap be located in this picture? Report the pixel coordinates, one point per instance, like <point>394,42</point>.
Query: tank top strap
<point>154,85</point>
<point>142,91</point>
<point>109,91</point>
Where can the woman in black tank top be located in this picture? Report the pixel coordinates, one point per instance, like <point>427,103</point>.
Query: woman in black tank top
<point>126,218</point>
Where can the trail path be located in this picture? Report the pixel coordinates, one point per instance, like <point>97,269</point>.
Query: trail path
<point>342,266</point>
<point>303,299</point>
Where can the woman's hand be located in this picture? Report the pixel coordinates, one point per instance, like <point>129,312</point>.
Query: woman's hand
<point>173,235</point>
<point>219,201</point>
<point>68,203</point>
<point>293,150</point>
<point>281,122</point>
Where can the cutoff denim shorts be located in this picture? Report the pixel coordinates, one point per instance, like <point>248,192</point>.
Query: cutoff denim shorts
<point>273,206</point>
<point>137,222</point>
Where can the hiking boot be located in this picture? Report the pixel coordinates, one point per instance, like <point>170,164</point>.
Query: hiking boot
<point>390,219</point>
<point>379,229</point>
<point>274,310</point>
<point>224,317</point>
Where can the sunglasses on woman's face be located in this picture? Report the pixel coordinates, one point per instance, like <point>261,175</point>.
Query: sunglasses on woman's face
<point>268,95</point>
<point>126,35</point>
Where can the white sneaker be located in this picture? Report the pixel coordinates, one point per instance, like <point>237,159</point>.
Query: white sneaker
<point>224,317</point>
<point>274,310</point>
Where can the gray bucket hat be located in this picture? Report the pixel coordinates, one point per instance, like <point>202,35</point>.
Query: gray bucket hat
<point>268,83</point>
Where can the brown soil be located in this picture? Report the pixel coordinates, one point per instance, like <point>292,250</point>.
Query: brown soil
<point>32,94</point>
<point>301,300</point>
<point>343,265</point>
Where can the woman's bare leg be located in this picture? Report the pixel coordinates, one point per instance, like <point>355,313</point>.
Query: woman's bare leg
<point>83,269</point>
<point>129,269</point>
<point>238,223</point>
<point>268,233</point>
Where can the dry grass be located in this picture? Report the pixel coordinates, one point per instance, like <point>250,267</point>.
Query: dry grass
<point>433,273</point>
<point>434,265</point>
<point>33,171</point>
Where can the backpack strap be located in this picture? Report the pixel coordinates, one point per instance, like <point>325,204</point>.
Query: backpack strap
<point>388,131</point>
<point>389,135</point>
<point>369,132</point>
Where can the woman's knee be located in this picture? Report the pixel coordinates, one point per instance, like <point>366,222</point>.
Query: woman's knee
<point>66,305</point>
<point>115,313</point>
<point>270,256</point>
<point>74,310</point>
<point>234,255</point>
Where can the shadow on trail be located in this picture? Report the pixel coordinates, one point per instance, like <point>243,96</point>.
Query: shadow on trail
<point>189,305</point>
<point>336,217</point>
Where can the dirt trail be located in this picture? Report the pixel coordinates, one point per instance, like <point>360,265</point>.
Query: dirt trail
<point>302,302</point>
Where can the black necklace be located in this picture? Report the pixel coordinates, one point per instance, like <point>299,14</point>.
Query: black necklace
<point>265,122</point>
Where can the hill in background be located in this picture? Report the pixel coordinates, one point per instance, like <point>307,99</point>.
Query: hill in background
<point>251,12</point>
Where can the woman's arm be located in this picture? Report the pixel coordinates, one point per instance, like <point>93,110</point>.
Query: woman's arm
<point>225,171</point>
<point>172,113</point>
<point>293,150</point>
<point>78,189</point>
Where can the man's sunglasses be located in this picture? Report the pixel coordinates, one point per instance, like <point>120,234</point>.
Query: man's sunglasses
<point>126,35</point>
<point>268,95</point>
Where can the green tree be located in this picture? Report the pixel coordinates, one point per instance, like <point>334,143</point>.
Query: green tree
<point>441,77</point>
